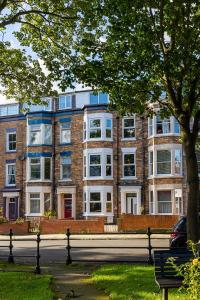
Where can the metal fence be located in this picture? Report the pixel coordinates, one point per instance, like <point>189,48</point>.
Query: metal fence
<point>68,247</point>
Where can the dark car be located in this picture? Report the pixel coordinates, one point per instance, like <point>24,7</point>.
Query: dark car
<point>178,237</point>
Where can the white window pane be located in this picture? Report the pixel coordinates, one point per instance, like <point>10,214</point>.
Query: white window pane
<point>65,136</point>
<point>177,165</point>
<point>48,134</point>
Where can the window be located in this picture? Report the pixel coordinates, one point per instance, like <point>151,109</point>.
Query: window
<point>95,165</point>
<point>164,202</point>
<point>47,168</point>
<point>40,168</point>
<point>150,127</point>
<point>98,200</point>
<point>163,162</point>
<point>40,134</point>
<point>95,129</point>
<point>11,174</point>
<point>11,141</point>
<point>151,203</point>
<point>34,203</point>
<point>65,167</point>
<point>6,110</point>
<point>129,164</point>
<point>35,134</point>
<point>177,159</point>
<point>176,126</point>
<point>95,202</point>
<point>46,105</point>
<point>150,163</point>
<point>35,172</point>
<point>65,102</point>
<point>99,98</point>
<point>109,203</point>
<point>128,128</point>
<point>47,201</point>
<point>98,163</point>
<point>65,133</point>
<point>162,125</point>
<point>97,126</point>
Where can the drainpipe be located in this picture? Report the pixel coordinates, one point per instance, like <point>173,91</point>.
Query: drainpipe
<point>143,163</point>
<point>117,156</point>
<point>53,160</point>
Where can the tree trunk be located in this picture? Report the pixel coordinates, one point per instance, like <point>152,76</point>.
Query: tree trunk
<point>193,207</point>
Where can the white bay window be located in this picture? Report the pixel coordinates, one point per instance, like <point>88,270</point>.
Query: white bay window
<point>39,134</point>
<point>158,126</point>
<point>39,168</point>
<point>98,127</point>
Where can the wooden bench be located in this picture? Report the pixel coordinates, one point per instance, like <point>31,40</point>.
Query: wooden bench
<point>165,275</point>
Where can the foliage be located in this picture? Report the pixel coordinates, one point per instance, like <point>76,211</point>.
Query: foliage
<point>190,272</point>
<point>50,213</point>
<point>3,220</point>
<point>19,221</point>
<point>129,282</point>
<point>20,286</point>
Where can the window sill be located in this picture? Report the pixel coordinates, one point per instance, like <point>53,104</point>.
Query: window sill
<point>64,180</point>
<point>11,151</point>
<point>163,135</point>
<point>65,144</point>
<point>165,176</point>
<point>34,215</point>
<point>38,180</point>
<point>39,145</point>
<point>128,178</point>
<point>98,214</point>
<point>98,140</point>
<point>128,139</point>
<point>97,178</point>
<point>10,186</point>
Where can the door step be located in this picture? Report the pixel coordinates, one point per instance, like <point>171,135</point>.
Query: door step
<point>110,228</point>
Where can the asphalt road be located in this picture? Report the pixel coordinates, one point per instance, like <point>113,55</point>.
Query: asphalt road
<point>54,251</point>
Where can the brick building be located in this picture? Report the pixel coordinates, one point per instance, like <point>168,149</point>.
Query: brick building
<point>79,158</point>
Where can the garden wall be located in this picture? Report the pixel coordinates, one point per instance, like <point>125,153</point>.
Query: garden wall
<point>16,228</point>
<point>75,226</point>
<point>130,222</point>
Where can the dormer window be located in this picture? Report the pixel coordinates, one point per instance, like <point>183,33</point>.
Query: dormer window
<point>98,98</point>
<point>65,102</point>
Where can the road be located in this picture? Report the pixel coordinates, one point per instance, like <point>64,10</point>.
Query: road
<point>52,251</point>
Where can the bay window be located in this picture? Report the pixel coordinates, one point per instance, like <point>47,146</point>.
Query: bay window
<point>65,133</point>
<point>97,163</point>
<point>40,134</point>
<point>97,126</point>
<point>163,126</point>
<point>98,200</point>
<point>163,162</point>
<point>150,163</point>
<point>128,128</point>
<point>35,169</point>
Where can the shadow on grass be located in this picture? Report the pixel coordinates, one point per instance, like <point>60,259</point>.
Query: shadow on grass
<point>126,282</point>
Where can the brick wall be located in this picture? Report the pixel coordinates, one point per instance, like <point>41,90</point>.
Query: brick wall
<point>75,226</point>
<point>130,222</point>
<point>16,228</point>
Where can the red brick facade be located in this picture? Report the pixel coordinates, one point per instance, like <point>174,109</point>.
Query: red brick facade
<point>81,196</point>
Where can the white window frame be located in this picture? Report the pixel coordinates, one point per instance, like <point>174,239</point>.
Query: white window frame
<point>65,129</point>
<point>154,127</point>
<point>172,148</point>
<point>7,175</point>
<point>123,127</point>
<point>66,107</point>
<point>103,152</point>
<point>61,168</point>
<point>42,170</point>
<point>42,135</point>
<point>103,190</point>
<point>124,152</point>
<point>103,117</point>
<point>8,143</point>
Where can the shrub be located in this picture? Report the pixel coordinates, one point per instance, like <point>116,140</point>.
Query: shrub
<point>19,221</point>
<point>190,272</point>
<point>50,213</point>
<point>3,220</point>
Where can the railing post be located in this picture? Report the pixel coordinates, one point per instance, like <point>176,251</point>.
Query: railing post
<point>69,260</point>
<point>37,269</point>
<point>10,257</point>
<point>150,259</point>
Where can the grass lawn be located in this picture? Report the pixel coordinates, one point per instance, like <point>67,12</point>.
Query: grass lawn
<point>25,286</point>
<point>128,282</point>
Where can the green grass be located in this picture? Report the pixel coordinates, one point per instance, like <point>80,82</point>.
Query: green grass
<point>25,286</point>
<point>128,282</point>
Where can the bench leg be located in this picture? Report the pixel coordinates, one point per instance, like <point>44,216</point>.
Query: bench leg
<point>165,294</point>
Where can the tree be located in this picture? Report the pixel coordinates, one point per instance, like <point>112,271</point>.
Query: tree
<point>139,51</point>
<point>21,76</point>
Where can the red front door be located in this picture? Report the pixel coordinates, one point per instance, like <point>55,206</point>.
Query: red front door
<point>67,206</point>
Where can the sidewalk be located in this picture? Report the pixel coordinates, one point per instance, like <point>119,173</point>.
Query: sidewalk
<point>120,236</point>
<point>71,282</point>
